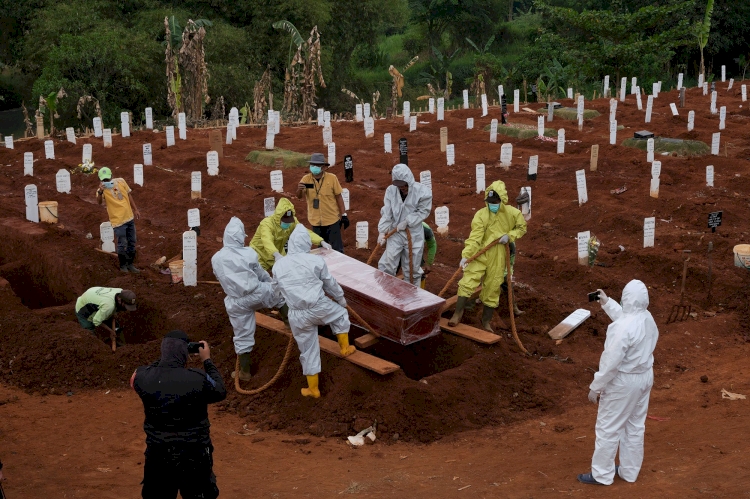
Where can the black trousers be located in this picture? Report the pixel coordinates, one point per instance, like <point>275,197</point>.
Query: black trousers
<point>187,468</point>
<point>331,234</point>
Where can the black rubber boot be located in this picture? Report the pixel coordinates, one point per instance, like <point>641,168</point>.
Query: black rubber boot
<point>459,313</point>
<point>123,262</point>
<point>130,266</point>
<point>487,313</point>
<point>284,314</point>
<point>244,367</point>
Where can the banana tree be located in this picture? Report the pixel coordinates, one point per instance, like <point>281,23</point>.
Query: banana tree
<point>184,55</point>
<point>704,30</point>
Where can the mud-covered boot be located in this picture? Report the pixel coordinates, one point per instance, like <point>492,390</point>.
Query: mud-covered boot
<point>244,368</point>
<point>487,313</point>
<point>516,311</point>
<point>459,313</point>
<point>312,387</point>
<point>123,262</point>
<point>130,266</point>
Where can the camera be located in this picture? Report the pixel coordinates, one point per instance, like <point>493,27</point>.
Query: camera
<point>193,347</point>
<point>594,296</point>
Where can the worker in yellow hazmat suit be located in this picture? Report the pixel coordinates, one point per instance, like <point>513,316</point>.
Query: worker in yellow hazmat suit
<point>271,236</point>
<point>497,221</point>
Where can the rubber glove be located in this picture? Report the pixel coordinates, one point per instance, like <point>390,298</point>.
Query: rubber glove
<point>381,239</point>
<point>342,302</point>
<point>277,256</point>
<point>325,245</point>
<point>593,397</point>
<point>344,221</point>
<point>504,239</point>
<point>463,263</point>
<point>603,298</point>
<point>402,225</point>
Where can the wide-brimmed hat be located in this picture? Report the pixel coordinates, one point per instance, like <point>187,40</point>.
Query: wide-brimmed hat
<point>318,159</point>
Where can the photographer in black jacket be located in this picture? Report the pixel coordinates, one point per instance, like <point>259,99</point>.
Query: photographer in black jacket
<point>175,399</point>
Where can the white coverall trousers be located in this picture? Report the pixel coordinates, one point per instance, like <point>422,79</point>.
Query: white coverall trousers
<point>304,325</point>
<point>621,422</point>
<point>397,253</point>
<point>241,313</point>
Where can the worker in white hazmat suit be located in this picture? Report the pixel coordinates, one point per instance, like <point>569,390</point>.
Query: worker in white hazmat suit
<point>248,288</point>
<point>304,281</point>
<point>405,205</point>
<point>623,385</point>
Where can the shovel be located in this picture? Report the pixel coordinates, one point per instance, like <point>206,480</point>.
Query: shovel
<point>681,312</point>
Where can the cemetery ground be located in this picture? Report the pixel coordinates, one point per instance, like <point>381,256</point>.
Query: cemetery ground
<point>459,418</point>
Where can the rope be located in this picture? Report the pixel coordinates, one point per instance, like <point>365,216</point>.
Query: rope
<point>453,278</point>
<point>372,255</point>
<point>361,320</point>
<point>284,362</point>
<point>510,301</point>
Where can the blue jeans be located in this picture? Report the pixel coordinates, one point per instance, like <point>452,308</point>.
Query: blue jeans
<point>125,235</point>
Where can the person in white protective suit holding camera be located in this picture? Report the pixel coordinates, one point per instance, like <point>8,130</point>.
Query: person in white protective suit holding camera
<point>622,386</point>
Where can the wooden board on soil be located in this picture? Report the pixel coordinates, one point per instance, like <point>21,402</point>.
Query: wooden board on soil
<point>472,333</point>
<point>361,359</point>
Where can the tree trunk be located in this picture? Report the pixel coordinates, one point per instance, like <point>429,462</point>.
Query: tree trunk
<point>510,10</point>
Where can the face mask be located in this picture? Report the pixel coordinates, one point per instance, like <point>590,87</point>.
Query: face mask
<point>315,170</point>
<point>493,207</point>
<point>285,225</point>
<point>108,184</point>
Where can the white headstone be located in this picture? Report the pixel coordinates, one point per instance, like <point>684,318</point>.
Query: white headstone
<point>182,126</point>
<point>493,131</point>
<point>425,178</point>
<point>149,118</point>
<point>744,93</point>
<point>440,109</point>
<point>655,90</point>
<point>442,217</point>
<point>605,86</point>
<point>147,157</point>
<point>107,137</point>
<point>28,164</point>
<point>327,118</point>
<point>407,112</point>
<point>540,125</point>
<point>723,73</point>
<point>700,81</point>
<point>570,93</point>
<point>526,207</point>
<point>633,84</point>
<point>387,142</point>
<point>506,154</point>
<point>370,127</point>
<point>484,105</point>
<point>276,124</point>
<point>673,107</point>
<point>125,129</point>
<point>361,235</point>
<point>32,203</point>
<point>710,175</point>
<point>561,141</point>
<point>97,127</point>
<point>138,174</point>
<point>516,100</point>
<point>469,123</point>
<point>327,135</point>
<point>277,181</point>
<point>705,88</point>
<point>170,136</point>
<point>195,182</point>
<point>450,154</point>
<point>194,217</point>
<point>583,247</point>
<point>655,169</point>
<point>481,183</point>
<point>49,149</point>
<point>581,186</point>
<point>331,153</point>
<point>269,207</point>
<point>654,187</point>
<point>190,246</point>
<point>691,121</point>
<point>230,133</point>
<point>649,108</point>
<point>500,92</point>
<point>649,230</point>
<point>638,100</point>
<point>533,165</point>
<point>679,81</point>
<point>612,110</point>
<point>650,150</point>
<point>62,179</point>
<point>212,163</point>
<point>320,116</point>
<point>366,110</point>
<point>358,113</point>
<point>715,142</point>
<point>189,273</point>
<point>613,133</point>
<point>270,137</point>
<point>731,83</point>
<point>107,236</point>
<point>87,153</point>
<point>714,95</point>
<point>431,105</point>
<point>70,133</point>
<point>623,84</point>
<point>722,117</point>
<point>466,98</point>
<point>345,198</point>
<point>413,124</point>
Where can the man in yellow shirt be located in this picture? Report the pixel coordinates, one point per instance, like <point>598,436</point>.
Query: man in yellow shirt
<point>122,213</point>
<point>325,206</point>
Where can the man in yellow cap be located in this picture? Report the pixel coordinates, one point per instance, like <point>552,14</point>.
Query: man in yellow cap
<point>495,222</point>
<point>271,236</point>
<point>122,211</point>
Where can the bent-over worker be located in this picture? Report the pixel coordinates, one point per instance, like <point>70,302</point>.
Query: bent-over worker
<point>248,288</point>
<point>98,305</point>
<point>495,222</point>
<point>623,385</point>
<point>405,206</point>
<point>304,281</point>
<point>325,206</point>
<point>271,236</point>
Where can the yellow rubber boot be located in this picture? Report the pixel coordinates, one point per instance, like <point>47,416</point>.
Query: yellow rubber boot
<point>312,387</point>
<point>421,284</point>
<point>346,349</point>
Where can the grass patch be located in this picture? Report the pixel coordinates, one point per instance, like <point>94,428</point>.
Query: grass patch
<point>679,146</point>
<point>268,158</point>
<point>521,132</point>
<point>569,113</point>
